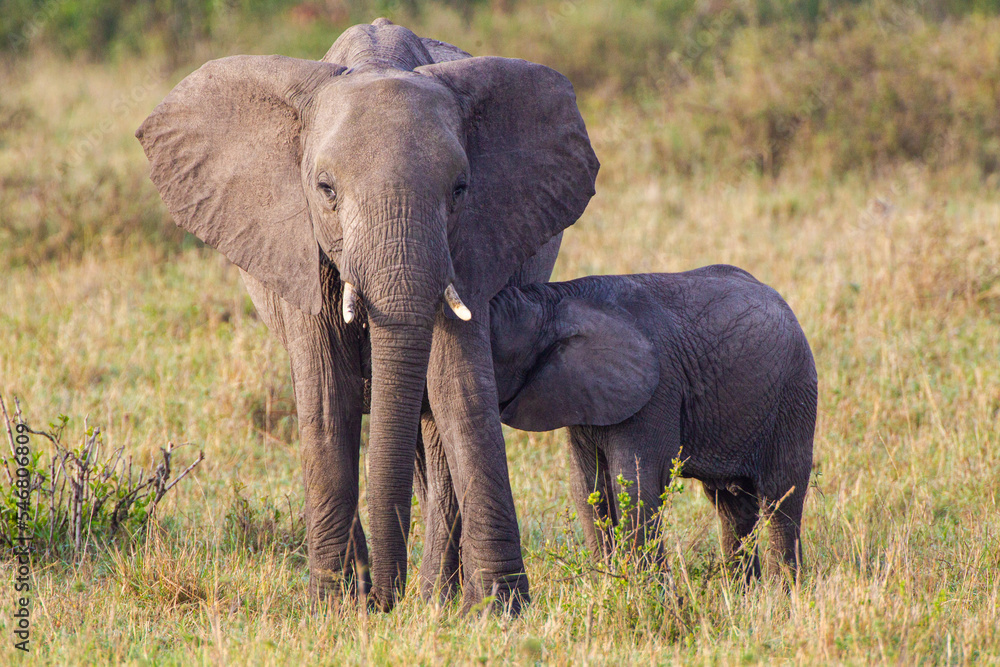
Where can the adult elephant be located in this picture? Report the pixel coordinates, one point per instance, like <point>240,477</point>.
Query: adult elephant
<point>357,194</point>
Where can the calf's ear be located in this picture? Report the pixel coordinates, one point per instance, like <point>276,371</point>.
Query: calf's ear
<point>600,371</point>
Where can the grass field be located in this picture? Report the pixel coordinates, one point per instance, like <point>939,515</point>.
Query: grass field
<point>894,272</point>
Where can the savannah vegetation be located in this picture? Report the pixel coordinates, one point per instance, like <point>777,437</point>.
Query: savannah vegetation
<point>845,152</point>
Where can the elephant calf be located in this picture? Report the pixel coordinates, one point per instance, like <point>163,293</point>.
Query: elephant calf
<point>640,366</point>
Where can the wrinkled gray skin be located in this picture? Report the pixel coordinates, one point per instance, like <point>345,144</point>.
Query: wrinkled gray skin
<point>398,165</point>
<point>640,366</point>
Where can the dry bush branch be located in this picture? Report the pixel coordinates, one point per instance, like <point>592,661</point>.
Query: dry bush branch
<point>73,488</point>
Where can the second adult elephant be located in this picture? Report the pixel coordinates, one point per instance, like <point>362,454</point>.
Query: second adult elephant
<point>363,191</point>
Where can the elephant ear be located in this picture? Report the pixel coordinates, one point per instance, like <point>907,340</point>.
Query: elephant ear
<point>443,51</point>
<point>225,153</point>
<point>532,166</point>
<point>600,371</point>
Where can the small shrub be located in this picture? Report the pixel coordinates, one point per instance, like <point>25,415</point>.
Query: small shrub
<point>80,496</point>
<point>633,581</point>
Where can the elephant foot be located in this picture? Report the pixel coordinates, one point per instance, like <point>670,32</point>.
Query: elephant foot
<point>442,583</point>
<point>441,590</point>
<point>329,588</point>
<point>379,601</point>
<point>507,597</point>
<point>744,568</point>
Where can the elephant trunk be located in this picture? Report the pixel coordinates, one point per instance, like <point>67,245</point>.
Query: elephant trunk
<point>401,266</point>
<point>399,369</point>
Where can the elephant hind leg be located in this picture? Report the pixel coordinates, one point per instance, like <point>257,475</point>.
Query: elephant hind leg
<point>440,566</point>
<point>785,516</point>
<point>784,490</point>
<point>782,506</point>
<point>739,510</point>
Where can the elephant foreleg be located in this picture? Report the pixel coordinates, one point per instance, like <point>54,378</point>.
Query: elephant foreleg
<point>330,432</point>
<point>326,374</point>
<point>592,492</point>
<point>462,390</point>
<point>441,564</point>
<point>637,487</point>
<point>639,452</point>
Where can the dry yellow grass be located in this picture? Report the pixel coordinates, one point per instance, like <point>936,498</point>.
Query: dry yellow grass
<point>895,279</point>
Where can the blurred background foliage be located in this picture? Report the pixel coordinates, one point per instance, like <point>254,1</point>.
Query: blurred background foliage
<point>851,84</point>
<point>102,27</point>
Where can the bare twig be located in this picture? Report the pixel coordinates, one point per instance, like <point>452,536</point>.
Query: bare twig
<point>201,457</point>
<point>10,439</point>
<point>589,568</point>
<point>80,484</point>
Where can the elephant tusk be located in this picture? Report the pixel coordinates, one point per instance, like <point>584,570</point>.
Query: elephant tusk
<point>454,302</point>
<point>348,303</point>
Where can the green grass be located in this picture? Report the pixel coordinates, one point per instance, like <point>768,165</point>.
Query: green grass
<point>893,268</point>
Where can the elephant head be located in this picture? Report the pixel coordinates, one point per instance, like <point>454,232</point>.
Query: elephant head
<point>568,360</point>
<point>420,180</point>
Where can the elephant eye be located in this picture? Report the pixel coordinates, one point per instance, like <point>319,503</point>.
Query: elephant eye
<point>325,187</point>
<point>459,191</point>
